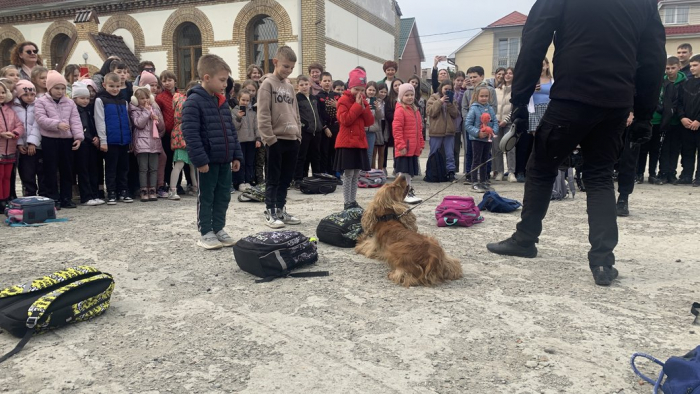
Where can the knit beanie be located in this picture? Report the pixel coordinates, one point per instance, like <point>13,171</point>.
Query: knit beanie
<point>147,78</point>
<point>357,78</point>
<point>54,78</point>
<point>405,88</point>
<point>23,87</point>
<point>79,90</point>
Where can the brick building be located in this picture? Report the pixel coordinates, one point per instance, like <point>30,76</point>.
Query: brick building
<point>340,34</point>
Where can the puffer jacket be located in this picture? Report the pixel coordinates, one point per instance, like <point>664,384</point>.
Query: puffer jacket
<point>247,126</point>
<point>48,115</point>
<point>353,121</point>
<point>142,137</point>
<point>378,114</point>
<point>504,106</point>
<point>473,122</point>
<point>165,102</point>
<point>442,116</point>
<point>406,129</point>
<point>9,122</point>
<point>208,129</point>
<point>177,141</point>
<point>26,116</point>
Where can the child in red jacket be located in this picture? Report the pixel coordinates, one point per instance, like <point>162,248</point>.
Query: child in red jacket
<point>408,138</point>
<point>165,101</point>
<point>354,116</point>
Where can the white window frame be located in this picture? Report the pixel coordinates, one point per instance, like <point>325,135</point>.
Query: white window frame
<point>671,15</point>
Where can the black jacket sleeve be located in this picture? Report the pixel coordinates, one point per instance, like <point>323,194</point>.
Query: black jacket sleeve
<point>434,80</point>
<point>651,60</point>
<point>537,36</point>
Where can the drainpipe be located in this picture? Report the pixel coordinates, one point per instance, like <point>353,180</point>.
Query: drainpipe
<point>301,48</point>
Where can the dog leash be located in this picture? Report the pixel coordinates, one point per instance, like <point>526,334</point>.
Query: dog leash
<point>445,188</point>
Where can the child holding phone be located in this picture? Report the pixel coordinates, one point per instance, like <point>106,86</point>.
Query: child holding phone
<point>442,112</point>
<point>376,105</point>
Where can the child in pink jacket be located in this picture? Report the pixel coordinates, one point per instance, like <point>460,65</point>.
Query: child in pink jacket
<point>149,128</point>
<point>58,121</point>
<point>11,129</point>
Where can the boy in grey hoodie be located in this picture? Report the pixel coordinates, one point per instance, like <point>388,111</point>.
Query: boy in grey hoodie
<point>280,130</point>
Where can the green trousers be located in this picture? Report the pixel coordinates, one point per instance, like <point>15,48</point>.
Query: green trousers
<point>213,198</point>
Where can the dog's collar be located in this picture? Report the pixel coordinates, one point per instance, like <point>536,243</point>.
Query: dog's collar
<point>387,218</point>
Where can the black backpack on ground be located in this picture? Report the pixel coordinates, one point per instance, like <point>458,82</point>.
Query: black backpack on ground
<point>272,255</point>
<point>319,184</point>
<point>341,229</point>
<point>69,296</point>
<point>436,169</point>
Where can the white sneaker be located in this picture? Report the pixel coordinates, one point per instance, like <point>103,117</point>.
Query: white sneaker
<point>498,177</point>
<point>512,178</point>
<point>172,195</point>
<point>271,219</point>
<point>100,201</point>
<point>287,218</point>
<point>224,238</point>
<point>411,197</point>
<point>210,241</point>
<point>90,203</point>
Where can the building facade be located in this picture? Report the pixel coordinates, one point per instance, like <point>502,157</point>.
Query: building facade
<point>682,22</point>
<point>173,34</point>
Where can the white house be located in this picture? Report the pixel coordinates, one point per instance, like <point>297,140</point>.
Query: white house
<point>340,34</point>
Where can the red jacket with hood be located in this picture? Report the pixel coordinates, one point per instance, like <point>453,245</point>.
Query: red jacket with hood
<point>353,122</point>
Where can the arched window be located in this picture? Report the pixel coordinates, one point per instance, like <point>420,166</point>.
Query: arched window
<point>59,51</point>
<point>5,49</point>
<point>262,36</point>
<point>188,49</point>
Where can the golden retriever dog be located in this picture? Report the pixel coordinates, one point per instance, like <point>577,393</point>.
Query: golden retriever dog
<point>414,258</point>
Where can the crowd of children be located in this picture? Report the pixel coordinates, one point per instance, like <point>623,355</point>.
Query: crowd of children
<point>116,139</point>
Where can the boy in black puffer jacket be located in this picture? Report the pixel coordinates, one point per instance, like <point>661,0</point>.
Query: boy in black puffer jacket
<point>311,127</point>
<point>87,155</point>
<point>212,146</point>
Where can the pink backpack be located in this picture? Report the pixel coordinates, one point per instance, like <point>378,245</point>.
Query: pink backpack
<point>457,211</point>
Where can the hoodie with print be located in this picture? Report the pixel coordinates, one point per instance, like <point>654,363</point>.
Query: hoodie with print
<point>278,111</point>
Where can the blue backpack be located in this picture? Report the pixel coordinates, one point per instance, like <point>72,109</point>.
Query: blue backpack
<point>494,203</point>
<point>682,373</point>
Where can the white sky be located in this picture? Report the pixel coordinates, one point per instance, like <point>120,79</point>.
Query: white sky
<point>441,16</point>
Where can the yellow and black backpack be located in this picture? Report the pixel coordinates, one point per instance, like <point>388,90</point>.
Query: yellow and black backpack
<point>68,296</point>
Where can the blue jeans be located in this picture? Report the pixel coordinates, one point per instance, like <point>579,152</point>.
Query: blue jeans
<point>448,142</point>
<point>371,139</point>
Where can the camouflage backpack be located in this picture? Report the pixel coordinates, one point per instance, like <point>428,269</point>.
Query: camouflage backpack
<point>253,194</point>
<point>68,296</point>
<point>341,229</point>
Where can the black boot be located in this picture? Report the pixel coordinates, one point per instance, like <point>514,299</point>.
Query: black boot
<point>510,247</point>
<point>604,274</point>
<point>623,208</point>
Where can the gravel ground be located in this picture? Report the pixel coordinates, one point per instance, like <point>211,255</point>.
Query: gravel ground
<point>186,320</point>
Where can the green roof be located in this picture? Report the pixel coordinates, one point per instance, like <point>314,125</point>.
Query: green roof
<point>407,25</point>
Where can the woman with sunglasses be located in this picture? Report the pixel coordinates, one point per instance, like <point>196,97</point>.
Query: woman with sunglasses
<point>25,56</point>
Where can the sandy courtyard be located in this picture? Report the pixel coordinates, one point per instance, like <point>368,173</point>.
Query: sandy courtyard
<point>187,320</point>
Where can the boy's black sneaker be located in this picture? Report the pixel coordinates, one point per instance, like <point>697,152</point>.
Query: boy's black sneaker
<point>111,198</point>
<point>623,208</point>
<point>604,274</point>
<point>351,205</point>
<point>451,176</point>
<point>662,180</point>
<point>671,179</point>
<point>124,197</point>
<point>510,247</point>
<point>468,180</point>
<point>68,204</point>
<point>652,179</point>
<point>683,181</point>
<point>639,179</point>
<point>520,178</point>
<point>696,182</point>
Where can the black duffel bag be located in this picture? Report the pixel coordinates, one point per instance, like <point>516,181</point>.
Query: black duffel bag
<point>319,184</point>
<point>341,229</point>
<point>274,254</point>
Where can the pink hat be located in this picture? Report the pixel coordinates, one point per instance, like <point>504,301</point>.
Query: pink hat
<point>54,78</point>
<point>147,78</point>
<point>357,78</point>
<point>405,88</point>
<point>90,82</point>
<point>23,87</point>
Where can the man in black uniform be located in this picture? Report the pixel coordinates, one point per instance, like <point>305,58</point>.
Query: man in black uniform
<point>609,57</point>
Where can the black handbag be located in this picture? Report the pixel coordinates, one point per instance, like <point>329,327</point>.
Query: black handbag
<point>272,255</point>
<point>319,184</point>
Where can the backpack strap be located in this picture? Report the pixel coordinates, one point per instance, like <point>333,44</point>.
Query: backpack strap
<point>657,383</point>
<point>312,274</point>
